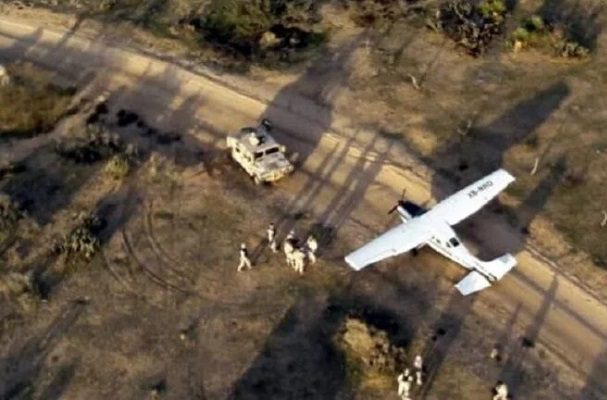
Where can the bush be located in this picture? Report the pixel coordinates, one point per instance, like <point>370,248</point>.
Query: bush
<point>10,213</point>
<point>536,32</point>
<point>261,29</point>
<point>236,23</point>
<point>471,26</point>
<point>118,167</point>
<point>492,8</point>
<point>375,12</point>
<point>521,34</point>
<point>83,240</point>
<point>97,144</point>
<point>535,24</point>
<point>570,49</point>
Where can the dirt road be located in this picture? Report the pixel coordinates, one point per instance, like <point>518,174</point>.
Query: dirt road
<point>350,176</point>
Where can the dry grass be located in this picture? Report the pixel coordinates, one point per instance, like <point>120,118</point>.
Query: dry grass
<point>31,104</point>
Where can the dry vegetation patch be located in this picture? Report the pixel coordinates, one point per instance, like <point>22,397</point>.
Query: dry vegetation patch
<point>371,358</point>
<point>31,103</point>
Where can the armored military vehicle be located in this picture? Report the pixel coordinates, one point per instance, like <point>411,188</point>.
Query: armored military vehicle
<point>258,153</point>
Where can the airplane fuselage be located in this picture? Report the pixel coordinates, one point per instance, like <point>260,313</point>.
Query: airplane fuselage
<point>445,241</point>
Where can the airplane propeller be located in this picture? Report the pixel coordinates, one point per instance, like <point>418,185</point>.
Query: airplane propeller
<point>402,198</point>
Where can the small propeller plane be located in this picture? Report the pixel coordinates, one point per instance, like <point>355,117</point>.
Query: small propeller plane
<point>432,227</point>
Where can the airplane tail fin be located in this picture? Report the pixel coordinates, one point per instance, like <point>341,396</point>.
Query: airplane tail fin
<point>500,266</point>
<point>475,281</point>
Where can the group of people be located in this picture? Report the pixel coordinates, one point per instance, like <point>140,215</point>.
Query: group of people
<point>296,254</point>
<point>406,378</point>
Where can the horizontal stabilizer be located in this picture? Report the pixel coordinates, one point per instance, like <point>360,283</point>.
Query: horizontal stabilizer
<point>473,282</point>
<point>500,266</point>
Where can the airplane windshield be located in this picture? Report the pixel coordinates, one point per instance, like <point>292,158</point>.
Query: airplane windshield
<point>454,242</point>
<point>258,155</point>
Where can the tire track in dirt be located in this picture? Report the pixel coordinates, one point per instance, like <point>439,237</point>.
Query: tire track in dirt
<point>116,275</point>
<point>153,276</point>
<point>170,262</point>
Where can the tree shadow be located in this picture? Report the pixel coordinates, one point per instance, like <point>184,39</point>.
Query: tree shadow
<point>513,370</point>
<point>60,382</point>
<point>23,366</point>
<point>301,360</point>
<point>582,21</point>
<point>310,97</point>
<point>468,158</point>
<point>46,183</point>
<point>446,330</point>
<point>21,47</point>
<point>595,386</point>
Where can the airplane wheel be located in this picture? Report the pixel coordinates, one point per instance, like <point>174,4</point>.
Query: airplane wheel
<point>414,252</point>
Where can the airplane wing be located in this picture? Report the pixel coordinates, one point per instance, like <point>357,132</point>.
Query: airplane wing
<point>397,240</point>
<point>469,200</point>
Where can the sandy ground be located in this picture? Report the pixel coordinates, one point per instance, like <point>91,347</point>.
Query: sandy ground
<point>349,176</point>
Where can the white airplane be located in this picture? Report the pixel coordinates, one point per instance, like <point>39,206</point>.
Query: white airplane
<point>432,227</point>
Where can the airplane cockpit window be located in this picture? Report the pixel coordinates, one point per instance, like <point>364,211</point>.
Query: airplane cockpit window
<point>454,242</point>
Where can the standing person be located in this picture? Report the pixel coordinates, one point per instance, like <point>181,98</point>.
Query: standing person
<point>418,365</point>
<point>245,262</point>
<point>501,391</point>
<point>288,248</point>
<point>495,354</point>
<point>312,246</point>
<point>299,261</point>
<point>404,384</point>
<point>272,237</point>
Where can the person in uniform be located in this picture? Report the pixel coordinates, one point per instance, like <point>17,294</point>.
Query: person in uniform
<point>312,246</point>
<point>272,238</point>
<point>245,262</point>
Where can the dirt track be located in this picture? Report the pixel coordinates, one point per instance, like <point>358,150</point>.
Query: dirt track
<point>349,178</point>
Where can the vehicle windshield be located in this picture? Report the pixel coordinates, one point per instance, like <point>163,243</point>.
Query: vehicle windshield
<point>454,242</point>
<point>272,150</point>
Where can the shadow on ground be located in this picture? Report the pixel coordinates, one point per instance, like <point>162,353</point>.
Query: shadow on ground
<point>23,366</point>
<point>300,359</point>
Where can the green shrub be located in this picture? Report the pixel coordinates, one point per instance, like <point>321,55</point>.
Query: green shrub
<point>536,32</point>
<point>535,24</point>
<point>237,23</point>
<point>492,8</point>
<point>262,30</point>
<point>521,34</point>
<point>571,49</point>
